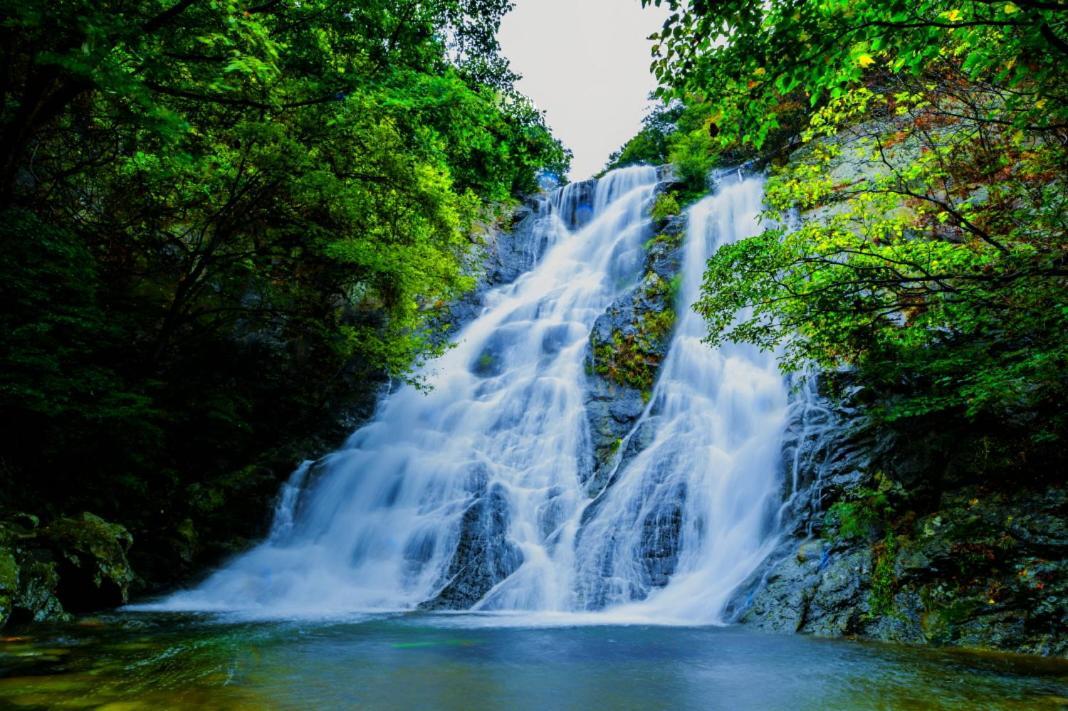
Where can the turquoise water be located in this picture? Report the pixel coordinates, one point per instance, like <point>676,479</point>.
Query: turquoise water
<point>135,661</point>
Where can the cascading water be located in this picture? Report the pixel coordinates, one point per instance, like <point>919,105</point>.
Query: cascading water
<point>696,505</point>
<point>472,495</point>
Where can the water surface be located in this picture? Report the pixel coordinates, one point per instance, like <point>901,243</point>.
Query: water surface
<point>463,661</point>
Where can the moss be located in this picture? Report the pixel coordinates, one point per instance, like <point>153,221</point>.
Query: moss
<point>865,510</point>
<point>37,601</point>
<point>74,563</point>
<point>634,359</point>
<point>92,541</point>
<point>666,206</point>
<point>675,286</point>
<point>9,584</point>
<point>671,239</point>
<point>944,613</point>
<point>857,517</point>
<point>883,580</point>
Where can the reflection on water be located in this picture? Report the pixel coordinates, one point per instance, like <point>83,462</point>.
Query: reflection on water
<point>466,661</point>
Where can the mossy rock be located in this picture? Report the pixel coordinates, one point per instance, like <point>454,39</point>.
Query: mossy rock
<point>91,561</point>
<point>940,623</point>
<point>9,584</point>
<point>629,343</point>
<point>37,600</point>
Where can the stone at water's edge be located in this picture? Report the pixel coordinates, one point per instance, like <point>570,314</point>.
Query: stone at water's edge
<point>74,564</point>
<point>484,556</point>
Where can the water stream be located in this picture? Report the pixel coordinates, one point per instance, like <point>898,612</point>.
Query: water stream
<point>473,494</point>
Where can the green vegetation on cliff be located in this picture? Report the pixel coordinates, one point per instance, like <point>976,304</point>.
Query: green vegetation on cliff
<point>218,221</point>
<point>931,248</point>
<point>916,237</point>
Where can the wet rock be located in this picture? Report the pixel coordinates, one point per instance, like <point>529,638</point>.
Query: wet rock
<point>628,343</point>
<point>73,564</point>
<point>665,175</point>
<point>38,580</point>
<point>514,250</point>
<point>611,410</point>
<point>489,363</point>
<point>780,596</point>
<point>661,530</point>
<point>836,605</point>
<point>577,203</point>
<point>506,254</point>
<point>484,555</point>
<point>28,576</point>
<point>969,565</point>
<point>558,337</point>
<point>905,622</point>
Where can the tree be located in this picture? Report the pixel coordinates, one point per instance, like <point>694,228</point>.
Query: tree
<point>930,253</point>
<point>219,219</point>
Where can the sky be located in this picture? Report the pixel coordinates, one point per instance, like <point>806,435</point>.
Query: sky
<point>586,64</point>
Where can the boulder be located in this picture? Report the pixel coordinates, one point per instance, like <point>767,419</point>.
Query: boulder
<point>74,564</point>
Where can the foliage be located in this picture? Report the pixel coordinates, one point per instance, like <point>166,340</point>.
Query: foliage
<point>860,515</point>
<point>652,143</point>
<point>219,218</point>
<point>930,251</point>
<point>632,357</point>
<point>678,132</point>
<point>883,580</point>
<point>756,61</point>
<point>665,206</point>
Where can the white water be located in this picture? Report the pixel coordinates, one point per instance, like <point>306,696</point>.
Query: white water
<point>379,522</point>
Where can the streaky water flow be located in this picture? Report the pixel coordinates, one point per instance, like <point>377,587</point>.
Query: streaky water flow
<point>698,502</point>
<point>486,471</point>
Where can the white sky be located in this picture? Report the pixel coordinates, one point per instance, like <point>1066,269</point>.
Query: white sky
<point>586,64</point>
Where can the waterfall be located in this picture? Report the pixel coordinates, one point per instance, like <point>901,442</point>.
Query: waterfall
<point>470,494</point>
<point>691,517</point>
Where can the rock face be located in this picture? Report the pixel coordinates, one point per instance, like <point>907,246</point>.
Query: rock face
<point>577,203</point>
<point>888,539</point>
<point>74,564</point>
<point>627,345</point>
<point>483,557</point>
<point>506,254</point>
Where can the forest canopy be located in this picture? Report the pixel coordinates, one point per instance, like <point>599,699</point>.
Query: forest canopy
<point>916,208</point>
<point>219,216</point>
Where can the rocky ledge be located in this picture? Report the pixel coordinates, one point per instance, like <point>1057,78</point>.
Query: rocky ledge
<point>893,539</point>
<point>628,343</point>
